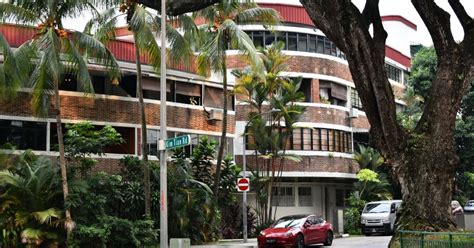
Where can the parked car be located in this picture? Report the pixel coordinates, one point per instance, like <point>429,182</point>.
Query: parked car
<point>380,216</point>
<point>469,207</point>
<point>297,231</point>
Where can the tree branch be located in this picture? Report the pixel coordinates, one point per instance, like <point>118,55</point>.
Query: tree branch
<point>438,23</point>
<point>371,15</point>
<point>466,21</point>
<point>178,7</point>
<point>342,22</point>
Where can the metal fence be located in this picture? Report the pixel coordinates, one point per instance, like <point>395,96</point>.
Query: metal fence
<point>413,239</point>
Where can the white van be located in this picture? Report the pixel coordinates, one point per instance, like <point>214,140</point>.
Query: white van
<point>380,216</point>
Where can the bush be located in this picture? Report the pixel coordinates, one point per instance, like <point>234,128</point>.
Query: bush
<point>114,232</point>
<point>352,215</point>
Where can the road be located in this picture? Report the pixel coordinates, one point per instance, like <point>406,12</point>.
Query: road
<point>361,242</point>
<point>350,242</point>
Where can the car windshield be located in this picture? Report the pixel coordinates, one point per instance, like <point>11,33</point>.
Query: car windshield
<point>377,208</point>
<point>470,204</point>
<point>291,221</point>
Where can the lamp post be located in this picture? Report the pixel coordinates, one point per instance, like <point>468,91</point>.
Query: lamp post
<point>244,169</point>
<point>163,155</point>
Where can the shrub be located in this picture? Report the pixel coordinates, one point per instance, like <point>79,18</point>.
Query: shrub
<point>352,215</point>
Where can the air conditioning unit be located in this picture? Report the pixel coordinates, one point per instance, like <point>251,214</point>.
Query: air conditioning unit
<point>216,115</point>
<point>353,113</point>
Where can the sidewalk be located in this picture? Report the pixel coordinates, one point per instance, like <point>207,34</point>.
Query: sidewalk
<point>230,243</point>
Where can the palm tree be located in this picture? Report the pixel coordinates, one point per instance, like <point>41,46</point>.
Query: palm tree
<point>269,142</point>
<point>31,202</point>
<point>143,24</point>
<point>221,32</point>
<point>52,53</point>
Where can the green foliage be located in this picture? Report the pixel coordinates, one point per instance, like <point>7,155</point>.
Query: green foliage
<point>111,231</point>
<point>195,208</point>
<point>424,66</point>
<point>83,140</point>
<point>367,175</point>
<point>352,214</point>
<point>31,201</point>
<point>201,160</point>
<point>368,158</point>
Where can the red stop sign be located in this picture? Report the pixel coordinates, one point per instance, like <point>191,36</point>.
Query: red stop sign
<point>243,184</point>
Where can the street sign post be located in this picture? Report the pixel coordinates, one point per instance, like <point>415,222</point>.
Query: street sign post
<point>243,184</point>
<point>178,142</point>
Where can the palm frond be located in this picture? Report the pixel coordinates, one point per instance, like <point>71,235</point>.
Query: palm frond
<point>17,14</point>
<point>10,75</point>
<point>94,49</point>
<point>263,16</point>
<point>78,67</point>
<point>26,56</point>
<point>47,216</point>
<point>102,26</point>
<point>241,41</point>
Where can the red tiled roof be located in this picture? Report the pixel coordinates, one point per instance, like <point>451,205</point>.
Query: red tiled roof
<point>123,50</point>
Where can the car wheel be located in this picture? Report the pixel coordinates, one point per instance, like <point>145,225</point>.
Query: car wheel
<point>329,238</point>
<point>300,241</point>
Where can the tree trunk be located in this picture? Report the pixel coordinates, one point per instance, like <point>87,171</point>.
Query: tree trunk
<point>69,223</point>
<point>223,142</point>
<point>144,140</point>
<point>423,159</point>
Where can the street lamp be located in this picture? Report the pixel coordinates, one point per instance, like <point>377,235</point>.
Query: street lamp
<point>244,168</point>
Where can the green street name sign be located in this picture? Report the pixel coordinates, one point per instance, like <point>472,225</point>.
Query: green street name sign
<point>178,142</point>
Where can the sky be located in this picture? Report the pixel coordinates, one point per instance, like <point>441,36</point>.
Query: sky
<point>387,7</point>
<point>406,9</point>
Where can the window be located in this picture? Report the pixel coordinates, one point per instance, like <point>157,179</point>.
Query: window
<point>283,197</point>
<point>152,141</point>
<point>305,87</point>
<point>269,38</point>
<point>303,42</point>
<point>355,100</point>
<point>258,38</point>
<point>282,37</point>
<point>297,139</point>
<point>324,140</point>
<point>297,42</point>
<point>305,197</point>
<point>307,139</point>
<point>317,139</point>
<point>188,93</point>
<point>393,72</point>
<point>327,46</point>
<point>312,43</point>
<point>341,196</point>
<point>23,134</point>
<point>292,41</point>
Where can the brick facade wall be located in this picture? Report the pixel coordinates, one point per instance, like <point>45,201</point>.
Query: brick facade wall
<point>316,115</point>
<point>311,164</point>
<point>304,64</point>
<point>116,110</point>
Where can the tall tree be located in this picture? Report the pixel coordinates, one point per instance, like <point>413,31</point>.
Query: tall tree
<point>221,32</point>
<point>270,142</point>
<point>44,59</point>
<point>424,69</point>
<point>423,159</point>
<point>143,25</point>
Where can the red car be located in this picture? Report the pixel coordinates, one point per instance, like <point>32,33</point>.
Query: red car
<point>297,231</point>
